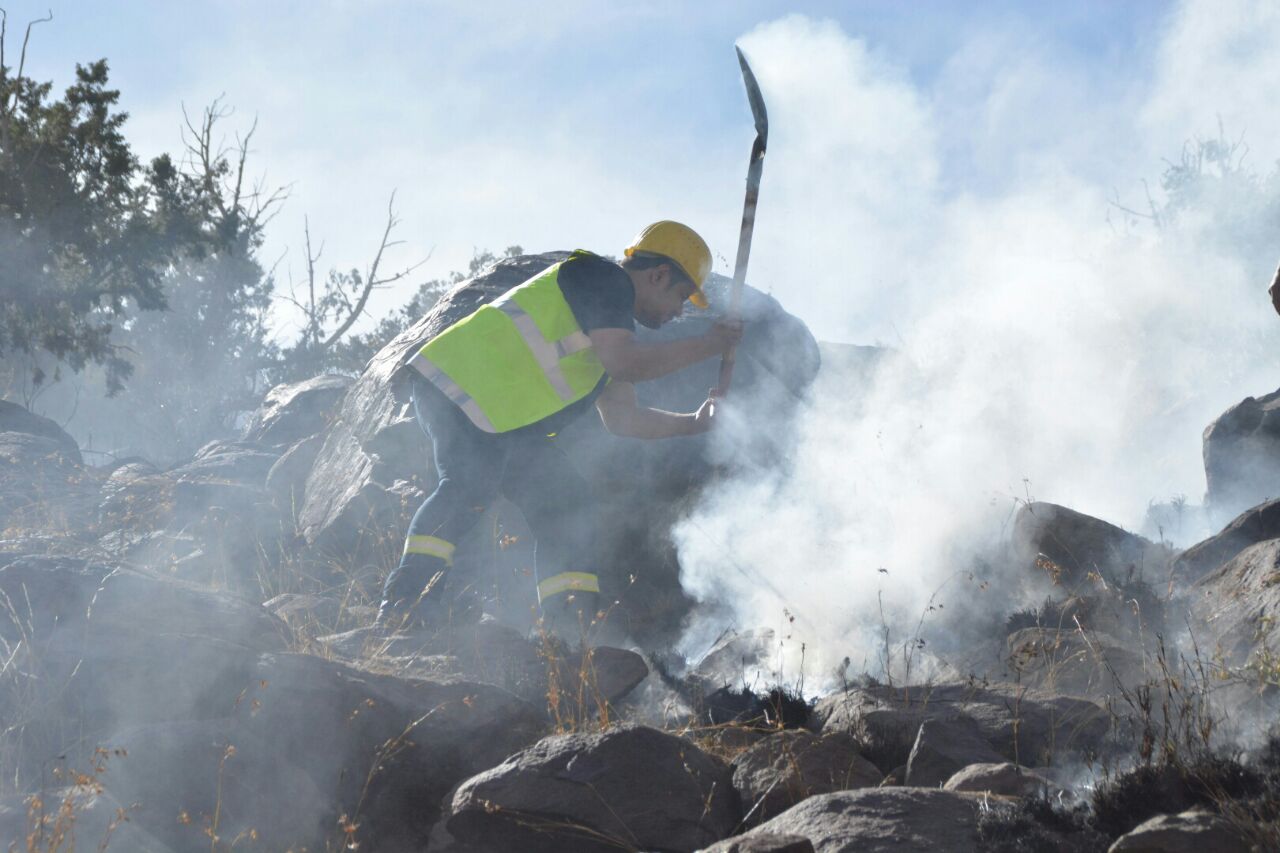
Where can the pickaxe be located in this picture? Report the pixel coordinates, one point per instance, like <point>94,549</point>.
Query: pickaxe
<point>754,168</point>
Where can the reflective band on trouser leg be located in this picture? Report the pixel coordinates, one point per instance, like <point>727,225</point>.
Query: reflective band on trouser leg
<point>432,546</point>
<point>568,582</point>
<point>451,389</point>
<point>546,353</point>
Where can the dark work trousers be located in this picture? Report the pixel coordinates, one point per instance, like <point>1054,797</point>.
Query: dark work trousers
<point>475,467</point>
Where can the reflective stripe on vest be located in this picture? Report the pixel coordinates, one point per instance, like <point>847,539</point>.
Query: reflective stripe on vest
<point>515,361</point>
<point>460,398</point>
<point>546,353</point>
<point>568,582</point>
<point>432,546</point>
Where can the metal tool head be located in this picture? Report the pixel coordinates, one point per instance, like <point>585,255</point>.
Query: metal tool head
<point>755,98</point>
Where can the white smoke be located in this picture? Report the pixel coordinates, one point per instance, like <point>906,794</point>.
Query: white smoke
<point>1045,346</point>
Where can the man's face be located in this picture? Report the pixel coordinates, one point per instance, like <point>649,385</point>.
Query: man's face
<point>661,296</point>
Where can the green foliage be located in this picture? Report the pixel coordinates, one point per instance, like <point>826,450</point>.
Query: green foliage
<point>200,363</point>
<point>84,233</point>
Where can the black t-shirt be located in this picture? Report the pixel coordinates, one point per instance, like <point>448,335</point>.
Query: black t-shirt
<point>599,292</point>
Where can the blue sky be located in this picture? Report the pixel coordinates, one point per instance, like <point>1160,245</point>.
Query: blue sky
<point>554,125</point>
<point>573,124</point>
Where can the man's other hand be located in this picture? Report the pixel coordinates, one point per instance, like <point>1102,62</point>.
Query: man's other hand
<point>725,333</point>
<point>706,416</point>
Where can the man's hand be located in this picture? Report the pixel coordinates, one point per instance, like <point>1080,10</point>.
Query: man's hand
<point>705,418</point>
<point>725,333</point>
<point>1275,292</point>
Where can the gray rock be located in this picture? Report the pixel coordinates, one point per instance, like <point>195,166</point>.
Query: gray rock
<point>1003,778</point>
<point>16,418</point>
<point>287,479</point>
<point>1242,456</point>
<point>82,817</point>
<point>374,468</point>
<point>1233,608</point>
<point>1064,546</point>
<point>1254,525</point>
<point>93,648</point>
<point>768,842</point>
<point>43,486</point>
<point>228,462</point>
<point>789,766</point>
<point>314,740</point>
<point>880,820</point>
<point>1189,832</point>
<point>734,657</point>
<point>1024,725</point>
<point>1065,661</point>
<point>318,615</point>
<point>631,787</point>
<point>944,746</point>
<point>293,411</point>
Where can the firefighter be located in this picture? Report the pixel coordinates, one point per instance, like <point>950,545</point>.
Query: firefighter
<point>493,390</point>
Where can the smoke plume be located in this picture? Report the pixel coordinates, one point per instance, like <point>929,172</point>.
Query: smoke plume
<point>1045,340</point>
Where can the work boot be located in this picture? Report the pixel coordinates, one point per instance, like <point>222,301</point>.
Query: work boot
<point>434,611</point>
<point>570,618</point>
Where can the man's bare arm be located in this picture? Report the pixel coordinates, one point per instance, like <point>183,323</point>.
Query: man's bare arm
<point>624,416</point>
<point>628,360</point>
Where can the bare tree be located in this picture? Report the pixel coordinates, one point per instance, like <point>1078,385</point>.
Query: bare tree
<point>331,308</point>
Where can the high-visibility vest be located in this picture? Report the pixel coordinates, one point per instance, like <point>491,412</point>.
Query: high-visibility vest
<point>516,360</point>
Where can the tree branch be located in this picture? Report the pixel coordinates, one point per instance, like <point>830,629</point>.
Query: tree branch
<point>370,278</point>
<point>22,60</point>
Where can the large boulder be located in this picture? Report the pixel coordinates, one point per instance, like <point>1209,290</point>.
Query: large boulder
<point>296,410</point>
<point>1002,778</point>
<point>374,468</point>
<point>1242,455</point>
<point>1031,727</point>
<point>287,479</point>
<point>305,741</point>
<point>43,486</point>
<point>1065,546</point>
<point>785,768</point>
<point>91,648</point>
<point>1258,524</point>
<point>769,842</point>
<point>16,418</point>
<point>1074,661</point>
<point>879,820</point>
<point>243,462</point>
<point>630,788</point>
<point>1188,832</point>
<point>944,746</point>
<point>77,817</point>
<point>205,530</point>
<point>1236,609</point>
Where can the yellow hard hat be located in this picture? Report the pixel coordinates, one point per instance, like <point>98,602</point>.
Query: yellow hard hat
<point>682,245</point>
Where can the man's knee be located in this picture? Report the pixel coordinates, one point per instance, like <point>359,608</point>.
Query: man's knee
<point>467,493</point>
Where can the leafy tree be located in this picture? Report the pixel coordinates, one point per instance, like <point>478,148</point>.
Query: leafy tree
<point>79,241</point>
<point>204,361</point>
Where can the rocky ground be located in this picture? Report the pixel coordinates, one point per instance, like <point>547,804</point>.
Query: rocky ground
<point>186,663</point>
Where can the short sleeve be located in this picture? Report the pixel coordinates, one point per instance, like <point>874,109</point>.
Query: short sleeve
<point>599,293</point>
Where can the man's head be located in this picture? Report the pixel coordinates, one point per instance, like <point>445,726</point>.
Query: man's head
<point>668,264</point>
